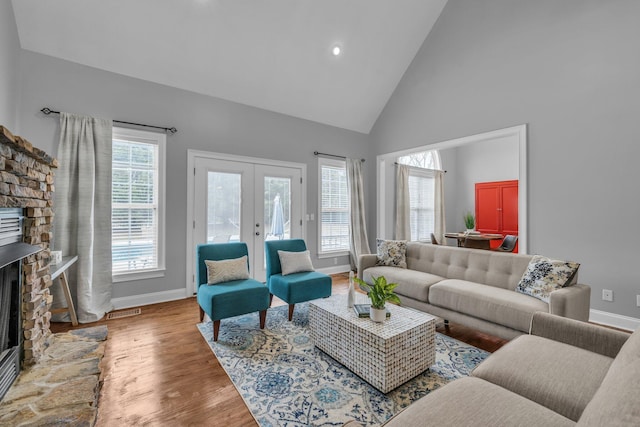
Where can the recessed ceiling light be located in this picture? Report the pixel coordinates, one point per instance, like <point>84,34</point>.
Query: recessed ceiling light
<point>336,50</point>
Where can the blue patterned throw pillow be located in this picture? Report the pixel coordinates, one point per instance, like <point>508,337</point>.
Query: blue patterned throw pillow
<point>544,275</point>
<point>391,253</point>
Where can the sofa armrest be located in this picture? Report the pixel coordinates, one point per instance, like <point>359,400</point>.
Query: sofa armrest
<point>587,336</point>
<point>365,261</point>
<point>572,302</point>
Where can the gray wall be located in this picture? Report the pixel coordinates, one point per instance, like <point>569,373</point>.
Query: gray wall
<point>203,122</point>
<point>9,54</point>
<point>570,70</point>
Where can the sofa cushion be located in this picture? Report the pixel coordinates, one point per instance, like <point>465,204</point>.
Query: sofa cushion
<point>411,283</point>
<point>616,401</point>
<point>558,376</point>
<point>496,305</point>
<point>544,275</point>
<point>471,402</point>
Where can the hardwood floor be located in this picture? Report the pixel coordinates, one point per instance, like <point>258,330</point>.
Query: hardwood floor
<point>159,371</point>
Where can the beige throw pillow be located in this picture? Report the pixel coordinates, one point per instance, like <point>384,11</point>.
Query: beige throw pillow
<point>391,253</point>
<point>227,270</point>
<point>295,262</point>
<point>544,275</point>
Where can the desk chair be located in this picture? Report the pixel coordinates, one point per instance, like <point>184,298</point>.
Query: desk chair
<point>232,298</point>
<point>296,287</point>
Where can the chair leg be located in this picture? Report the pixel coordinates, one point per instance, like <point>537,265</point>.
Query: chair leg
<point>263,318</point>
<point>291,311</point>
<point>270,299</point>
<point>216,329</point>
<point>201,314</point>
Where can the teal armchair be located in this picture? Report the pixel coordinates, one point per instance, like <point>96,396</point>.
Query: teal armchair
<point>296,287</point>
<point>228,299</point>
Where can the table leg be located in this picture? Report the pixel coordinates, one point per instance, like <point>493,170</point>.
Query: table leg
<point>67,294</point>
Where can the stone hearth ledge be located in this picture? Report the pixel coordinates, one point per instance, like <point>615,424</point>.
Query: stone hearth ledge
<point>63,387</point>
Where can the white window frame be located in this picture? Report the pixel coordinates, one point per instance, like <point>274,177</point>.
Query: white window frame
<point>160,140</point>
<point>337,164</point>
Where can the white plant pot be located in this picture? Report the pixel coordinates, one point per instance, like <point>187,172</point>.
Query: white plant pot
<point>378,315</point>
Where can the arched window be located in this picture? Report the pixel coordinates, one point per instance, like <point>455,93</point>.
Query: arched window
<point>424,159</point>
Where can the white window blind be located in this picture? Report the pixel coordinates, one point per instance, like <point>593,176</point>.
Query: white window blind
<point>421,203</point>
<point>136,211</point>
<point>334,207</point>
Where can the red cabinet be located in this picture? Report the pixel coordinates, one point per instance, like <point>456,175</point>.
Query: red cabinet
<point>497,208</point>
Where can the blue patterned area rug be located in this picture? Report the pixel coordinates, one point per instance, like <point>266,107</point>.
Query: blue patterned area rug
<point>286,381</point>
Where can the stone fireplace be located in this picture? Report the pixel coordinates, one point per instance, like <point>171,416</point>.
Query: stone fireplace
<point>26,182</point>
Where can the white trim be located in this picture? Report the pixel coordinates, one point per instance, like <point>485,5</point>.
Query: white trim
<point>613,319</point>
<point>519,131</point>
<point>335,269</point>
<point>332,254</point>
<point>191,164</point>
<point>146,299</point>
<point>137,275</point>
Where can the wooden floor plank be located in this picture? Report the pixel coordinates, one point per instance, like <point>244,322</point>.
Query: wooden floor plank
<point>159,371</point>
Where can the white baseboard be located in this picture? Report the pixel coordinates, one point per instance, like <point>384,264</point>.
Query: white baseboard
<point>146,299</point>
<point>335,269</point>
<point>615,320</point>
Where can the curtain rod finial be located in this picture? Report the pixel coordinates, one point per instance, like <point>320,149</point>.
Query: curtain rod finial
<point>46,110</point>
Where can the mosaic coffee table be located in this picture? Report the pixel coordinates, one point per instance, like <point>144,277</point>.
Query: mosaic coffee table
<point>386,354</point>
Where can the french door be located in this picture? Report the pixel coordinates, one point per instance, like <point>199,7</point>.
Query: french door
<point>246,201</point>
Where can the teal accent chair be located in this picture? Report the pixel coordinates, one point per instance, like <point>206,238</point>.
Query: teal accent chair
<point>228,299</point>
<point>296,287</point>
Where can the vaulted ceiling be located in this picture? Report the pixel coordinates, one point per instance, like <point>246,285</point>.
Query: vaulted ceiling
<point>273,54</point>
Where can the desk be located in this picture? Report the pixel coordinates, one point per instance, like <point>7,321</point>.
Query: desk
<point>477,241</point>
<point>59,271</point>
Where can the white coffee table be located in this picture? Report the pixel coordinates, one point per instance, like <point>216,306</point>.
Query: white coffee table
<point>386,354</point>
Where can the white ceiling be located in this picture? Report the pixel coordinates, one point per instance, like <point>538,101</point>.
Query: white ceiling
<point>273,54</point>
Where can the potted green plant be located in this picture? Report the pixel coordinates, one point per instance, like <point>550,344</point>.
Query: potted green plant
<point>379,293</point>
<point>469,221</point>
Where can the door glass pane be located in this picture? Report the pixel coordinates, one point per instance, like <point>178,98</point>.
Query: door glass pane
<point>223,207</point>
<point>277,208</point>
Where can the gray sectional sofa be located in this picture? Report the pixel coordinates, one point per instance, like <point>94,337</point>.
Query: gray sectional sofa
<point>565,373</point>
<point>474,287</point>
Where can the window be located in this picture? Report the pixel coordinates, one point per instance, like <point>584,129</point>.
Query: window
<point>334,207</point>
<point>422,192</point>
<point>137,211</point>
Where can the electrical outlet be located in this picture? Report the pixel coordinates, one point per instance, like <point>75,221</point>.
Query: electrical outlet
<point>335,261</point>
<point>607,295</point>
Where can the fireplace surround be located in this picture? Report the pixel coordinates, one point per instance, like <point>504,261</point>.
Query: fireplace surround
<point>27,183</point>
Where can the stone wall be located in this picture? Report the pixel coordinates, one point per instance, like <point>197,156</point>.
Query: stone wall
<point>26,181</point>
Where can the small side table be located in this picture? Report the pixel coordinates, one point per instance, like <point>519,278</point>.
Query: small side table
<point>59,271</point>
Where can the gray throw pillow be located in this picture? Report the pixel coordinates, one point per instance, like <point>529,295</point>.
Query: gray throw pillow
<point>295,262</point>
<point>227,270</point>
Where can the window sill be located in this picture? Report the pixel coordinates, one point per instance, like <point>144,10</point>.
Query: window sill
<point>332,254</point>
<point>138,275</point>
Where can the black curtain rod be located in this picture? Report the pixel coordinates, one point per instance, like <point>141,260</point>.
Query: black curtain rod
<point>418,167</point>
<point>331,155</point>
<point>171,130</point>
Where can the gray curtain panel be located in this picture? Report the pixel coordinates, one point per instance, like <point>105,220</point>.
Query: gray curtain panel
<point>358,224</point>
<point>440,225</point>
<point>82,224</point>
<point>403,207</point>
